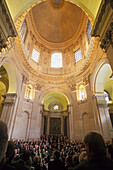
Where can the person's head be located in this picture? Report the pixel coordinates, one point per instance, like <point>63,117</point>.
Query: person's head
<point>37,159</point>
<point>25,156</point>
<point>3,141</point>
<point>10,151</point>
<point>82,157</point>
<point>56,155</point>
<point>68,160</point>
<point>95,145</point>
<point>75,160</point>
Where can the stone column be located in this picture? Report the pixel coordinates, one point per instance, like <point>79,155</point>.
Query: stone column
<point>9,111</point>
<point>105,122</point>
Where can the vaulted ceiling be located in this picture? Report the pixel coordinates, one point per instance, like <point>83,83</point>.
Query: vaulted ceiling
<point>17,7</point>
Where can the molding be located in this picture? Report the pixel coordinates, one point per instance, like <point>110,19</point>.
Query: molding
<point>103,25</point>
<point>10,98</point>
<point>7,28</point>
<point>72,87</point>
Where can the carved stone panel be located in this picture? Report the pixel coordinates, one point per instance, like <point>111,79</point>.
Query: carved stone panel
<point>55,126</point>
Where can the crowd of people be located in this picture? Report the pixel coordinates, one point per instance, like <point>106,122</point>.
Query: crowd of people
<point>54,152</point>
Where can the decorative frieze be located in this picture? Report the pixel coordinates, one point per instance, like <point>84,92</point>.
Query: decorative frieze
<point>7,28</point>
<point>38,87</point>
<point>25,79</point>
<point>86,80</point>
<point>72,87</point>
<point>103,26</point>
<point>108,38</point>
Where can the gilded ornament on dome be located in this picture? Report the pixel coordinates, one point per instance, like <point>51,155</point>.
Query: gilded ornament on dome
<point>57,3</point>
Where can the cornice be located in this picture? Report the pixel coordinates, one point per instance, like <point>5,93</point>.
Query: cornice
<point>103,26</point>
<point>60,79</point>
<point>99,17</point>
<point>7,28</point>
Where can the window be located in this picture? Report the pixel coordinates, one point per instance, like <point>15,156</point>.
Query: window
<point>56,60</point>
<point>35,55</point>
<point>88,32</point>
<point>55,107</point>
<point>82,92</point>
<point>23,30</point>
<point>77,55</point>
<point>29,92</point>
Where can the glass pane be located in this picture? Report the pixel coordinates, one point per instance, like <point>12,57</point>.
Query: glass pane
<point>35,55</point>
<point>56,60</point>
<point>78,56</point>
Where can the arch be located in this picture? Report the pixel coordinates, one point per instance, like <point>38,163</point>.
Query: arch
<point>16,9</point>
<point>98,67</point>
<point>54,89</point>
<point>55,97</point>
<point>102,77</point>
<point>12,78</point>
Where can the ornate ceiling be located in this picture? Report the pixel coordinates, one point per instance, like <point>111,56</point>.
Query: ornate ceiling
<point>56,25</point>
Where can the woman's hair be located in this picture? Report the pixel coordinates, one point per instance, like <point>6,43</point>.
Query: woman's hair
<point>95,143</point>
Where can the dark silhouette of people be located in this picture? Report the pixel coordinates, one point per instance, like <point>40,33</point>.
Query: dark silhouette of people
<point>96,154</point>
<point>56,164</point>
<point>3,142</point>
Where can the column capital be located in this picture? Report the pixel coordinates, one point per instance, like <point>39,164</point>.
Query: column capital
<point>10,98</point>
<point>101,102</point>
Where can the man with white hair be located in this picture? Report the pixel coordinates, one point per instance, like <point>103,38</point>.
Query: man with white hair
<point>3,142</point>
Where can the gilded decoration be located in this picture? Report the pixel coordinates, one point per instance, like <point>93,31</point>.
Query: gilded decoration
<point>57,3</point>
<point>60,78</point>
<point>72,87</point>
<point>7,28</point>
<point>103,26</point>
<point>108,38</point>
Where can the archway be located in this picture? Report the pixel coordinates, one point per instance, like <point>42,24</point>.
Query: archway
<point>13,88</point>
<point>55,114</point>
<point>103,77</point>
<point>4,85</point>
<point>103,90</point>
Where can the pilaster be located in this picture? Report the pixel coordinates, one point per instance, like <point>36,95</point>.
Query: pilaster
<point>104,117</point>
<point>9,111</point>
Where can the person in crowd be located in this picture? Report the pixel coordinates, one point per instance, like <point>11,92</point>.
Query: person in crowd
<point>56,164</point>
<point>83,157</point>
<point>75,160</point>
<point>110,150</point>
<point>21,164</point>
<point>68,161</point>
<point>10,154</point>
<point>3,147</point>
<point>96,154</point>
<point>3,142</point>
<point>36,163</point>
